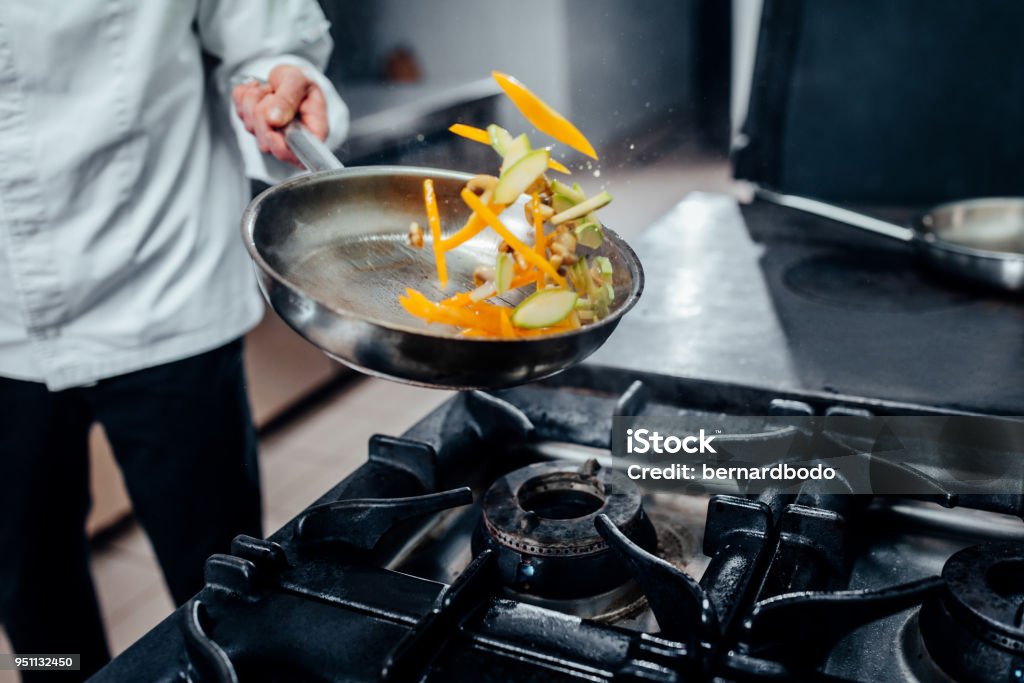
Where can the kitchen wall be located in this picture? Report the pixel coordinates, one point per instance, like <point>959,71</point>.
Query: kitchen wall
<point>630,62</point>
<point>460,40</point>
<point>610,65</point>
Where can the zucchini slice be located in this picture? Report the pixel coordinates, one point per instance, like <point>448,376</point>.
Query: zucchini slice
<point>515,150</point>
<point>500,138</point>
<point>544,308</point>
<point>589,233</point>
<point>583,208</point>
<point>514,181</point>
<point>504,269</point>
<point>573,194</point>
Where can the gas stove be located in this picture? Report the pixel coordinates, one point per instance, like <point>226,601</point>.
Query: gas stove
<point>493,542</point>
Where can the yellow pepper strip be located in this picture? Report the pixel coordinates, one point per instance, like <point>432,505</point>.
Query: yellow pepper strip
<point>507,331</point>
<point>555,166</point>
<point>460,299</point>
<point>539,243</point>
<point>541,115</point>
<point>530,255</point>
<point>421,307</point>
<point>470,318</point>
<point>470,133</point>
<point>475,314</point>
<point>480,135</point>
<point>473,227</point>
<point>434,218</point>
<point>488,310</point>
<point>418,305</point>
<point>522,280</point>
<point>414,308</point>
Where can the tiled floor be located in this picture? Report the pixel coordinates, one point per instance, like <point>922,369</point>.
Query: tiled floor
<point>303,458</point>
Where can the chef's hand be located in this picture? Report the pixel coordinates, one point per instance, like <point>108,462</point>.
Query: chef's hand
<point>266,108</point>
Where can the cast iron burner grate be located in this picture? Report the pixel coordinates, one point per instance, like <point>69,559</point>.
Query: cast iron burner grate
<point>540,523</point>
<point>379,580</point>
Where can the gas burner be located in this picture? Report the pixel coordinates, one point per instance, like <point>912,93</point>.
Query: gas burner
<point>539,520</point>
<point>915,664</point>
<point>974,630</point>
<point>576,573</point>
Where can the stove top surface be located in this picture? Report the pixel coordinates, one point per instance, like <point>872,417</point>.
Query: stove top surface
<point>766,296</point>
<point>491,542</point>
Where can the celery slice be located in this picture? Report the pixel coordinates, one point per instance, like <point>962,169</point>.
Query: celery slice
<point>582,209</point>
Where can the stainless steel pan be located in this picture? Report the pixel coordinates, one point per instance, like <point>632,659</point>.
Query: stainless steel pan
<point>981,240</point>
<point>331,255</point>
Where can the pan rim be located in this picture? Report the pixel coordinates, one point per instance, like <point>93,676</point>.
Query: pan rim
<point>926,235</point>
<point>252,210</point>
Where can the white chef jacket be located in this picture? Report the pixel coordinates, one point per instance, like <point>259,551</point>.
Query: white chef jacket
<point>122,178</point>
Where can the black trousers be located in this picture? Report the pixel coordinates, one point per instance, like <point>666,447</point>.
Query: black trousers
<point>183,437</point>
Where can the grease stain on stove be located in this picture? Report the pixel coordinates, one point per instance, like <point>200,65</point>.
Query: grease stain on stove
<point>883,282</point>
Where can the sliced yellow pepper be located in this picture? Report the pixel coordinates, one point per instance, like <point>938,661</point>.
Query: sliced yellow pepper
<point>474,203</point>
<point>434,218</point>
<point>473,227</point>
<point>507,331</point>
<point>540,114</point>
<point>470,133</point>
<point>478,319</point>
<point>555,166</point>
<point>539,243</point>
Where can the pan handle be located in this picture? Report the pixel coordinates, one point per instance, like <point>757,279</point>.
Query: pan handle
<point>311,151</point>
<point>835,213</point>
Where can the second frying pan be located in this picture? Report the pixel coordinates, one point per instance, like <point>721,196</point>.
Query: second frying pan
<point>981,240</point>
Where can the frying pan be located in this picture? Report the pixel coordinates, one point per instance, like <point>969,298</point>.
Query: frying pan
<point>331,258</point>
<point>981,240</point>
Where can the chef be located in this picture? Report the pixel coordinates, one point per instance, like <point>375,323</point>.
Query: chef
<point>124,287</point>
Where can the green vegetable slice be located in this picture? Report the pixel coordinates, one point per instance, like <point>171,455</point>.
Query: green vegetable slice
<point>573,194</point>
<point>582,209</point>
<point>579,276</point>
<point>514,181</point>
<point>500,138</point>
<point>504,270</point>
<point>560,203</point>
<point>544,308</point>
<point>589,232</point>
<point>516,149</point>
